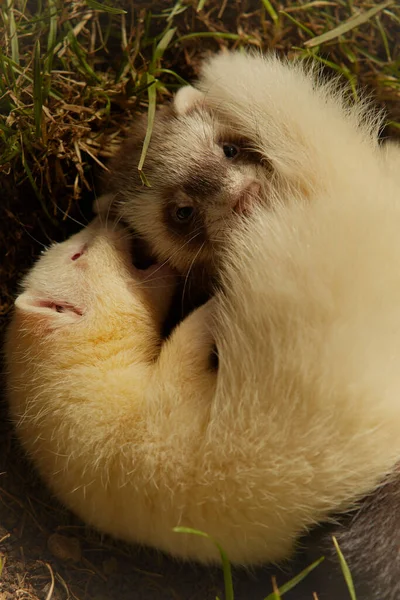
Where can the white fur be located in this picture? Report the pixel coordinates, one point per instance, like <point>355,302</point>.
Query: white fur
<point>185,98</point>
<point>306,127</point>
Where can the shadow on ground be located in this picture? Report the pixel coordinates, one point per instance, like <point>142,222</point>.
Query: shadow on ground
<point>48,554</point>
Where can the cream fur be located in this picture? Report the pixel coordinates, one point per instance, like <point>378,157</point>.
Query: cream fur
<point>310,131</point>
<point>301,419</point>
<point>391,156</point>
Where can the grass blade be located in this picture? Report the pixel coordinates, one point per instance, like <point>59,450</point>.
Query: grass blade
<point>6,70</point>
<point>2,563</point>
<point>384,38</point>
<point>286,587</point>
<point>177,9</point>
<point>345,570</point>
<point>105,8</point>
<point>226,567</point>
<point>51,44</point>
<point>348,25</point>
<point>270,10</point>
<point>151,91</point>
<point>214,34</point>
<point>33,184</point>
<point>310,5</point>
<point>37,88</point>
<point>200,5</point>
<point>296,22</point>
<point>161,48</point>
<point>392,16</point>
<point>81,57</point>
<point>13,32</point>
<point>178,77</point>
<point>51,39</point>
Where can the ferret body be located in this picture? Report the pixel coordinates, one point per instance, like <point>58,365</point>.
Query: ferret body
<point>320,142</point>
<point>299,421</point>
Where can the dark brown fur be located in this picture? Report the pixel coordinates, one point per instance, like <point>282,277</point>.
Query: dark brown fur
<point>185,166</point>
<point>200,182</point>
<point>369,539</point>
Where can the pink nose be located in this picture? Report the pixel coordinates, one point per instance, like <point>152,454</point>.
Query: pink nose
<point>246,198</point>
<point>78,254</point>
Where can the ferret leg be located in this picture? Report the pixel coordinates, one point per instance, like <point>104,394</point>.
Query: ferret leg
<point>188,352</point>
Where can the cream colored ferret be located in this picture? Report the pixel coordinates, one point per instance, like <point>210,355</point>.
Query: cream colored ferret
<point>301,418</point>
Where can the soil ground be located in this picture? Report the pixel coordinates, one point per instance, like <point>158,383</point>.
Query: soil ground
<point>48,554</point>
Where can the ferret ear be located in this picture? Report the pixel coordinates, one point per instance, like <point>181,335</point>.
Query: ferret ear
<point>186,98</point>
<point>48,311</point>
<point>102,204</point>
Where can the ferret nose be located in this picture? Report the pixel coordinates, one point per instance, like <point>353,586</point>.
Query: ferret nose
<point>79,253</point>
<point>246,198</point>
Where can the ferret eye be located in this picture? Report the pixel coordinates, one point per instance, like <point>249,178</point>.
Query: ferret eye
<point>183,214</point>
<point>230,150</point>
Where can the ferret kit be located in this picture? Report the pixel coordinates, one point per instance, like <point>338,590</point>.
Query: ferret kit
<point>252,131</point>
<point>299,222</point>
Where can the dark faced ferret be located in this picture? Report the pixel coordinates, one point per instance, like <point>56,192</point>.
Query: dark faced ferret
<point>202,175</point>
<point>299,421</point>
<point>253,130</point>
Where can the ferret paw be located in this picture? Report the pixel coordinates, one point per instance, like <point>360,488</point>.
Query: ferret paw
<point>192,347</point>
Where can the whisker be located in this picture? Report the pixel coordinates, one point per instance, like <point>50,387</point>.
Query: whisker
<point>118,220</point>
<point>71,218</point>
<point>108,213</point>
<point>188,273</point>
<point>96,200</point>
<point>176,252</point>
<point>84,217</point>
<point>34,239</point>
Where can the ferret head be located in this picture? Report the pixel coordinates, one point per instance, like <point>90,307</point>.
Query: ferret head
<point>85,291</point>
<point>202,178</point>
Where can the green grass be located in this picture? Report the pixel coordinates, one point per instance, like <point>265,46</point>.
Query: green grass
<point>72,74</point>
<point>345,570</point>
<point>226,567</point>
<point>277,592</point>
<point>2,563</point>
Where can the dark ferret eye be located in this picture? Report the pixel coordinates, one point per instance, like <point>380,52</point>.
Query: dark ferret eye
<point>230,150</point>
<point>183,214</point>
